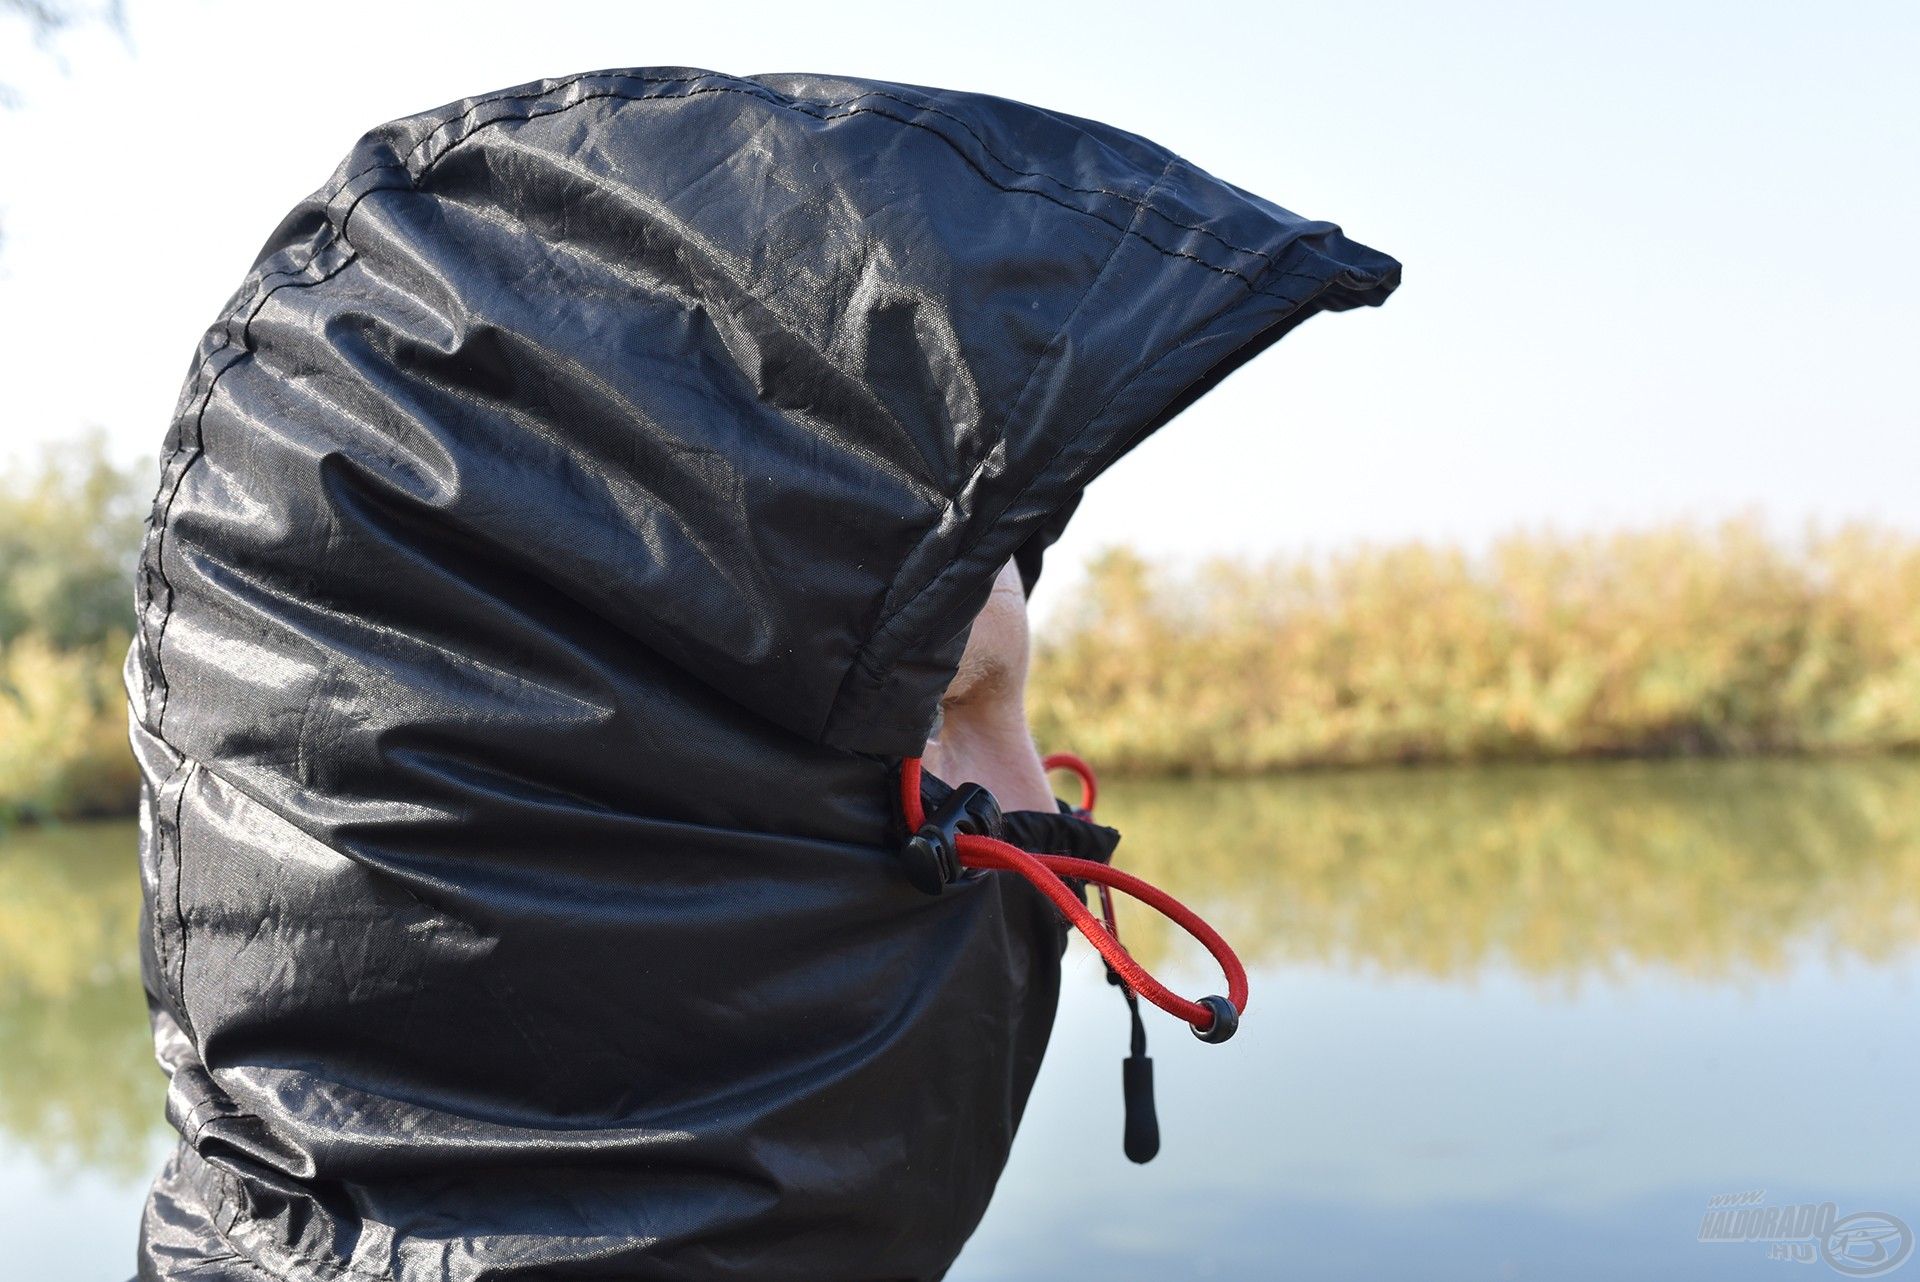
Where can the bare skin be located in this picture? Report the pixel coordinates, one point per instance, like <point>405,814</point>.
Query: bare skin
<point>984,737</point>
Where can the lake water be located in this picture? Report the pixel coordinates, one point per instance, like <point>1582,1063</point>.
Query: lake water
<point>1506,1023</point>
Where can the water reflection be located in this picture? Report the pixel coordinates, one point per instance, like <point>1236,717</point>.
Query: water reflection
<point>78,1086</point>
<point>1713,869</point>
<point>1513,1023</point>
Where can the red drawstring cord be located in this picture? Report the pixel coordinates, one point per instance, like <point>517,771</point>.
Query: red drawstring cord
<point>1044,872</point>
<point>1089,789</point>
<point>1089,792</point>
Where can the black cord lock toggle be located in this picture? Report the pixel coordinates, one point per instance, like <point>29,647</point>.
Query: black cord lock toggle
<point>932,855</point>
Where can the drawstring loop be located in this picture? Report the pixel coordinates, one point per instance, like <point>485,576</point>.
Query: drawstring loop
<point>963,841</point>
<point>1088,788</point>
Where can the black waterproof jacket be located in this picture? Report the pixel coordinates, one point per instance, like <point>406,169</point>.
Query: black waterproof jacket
<point>564,533</point>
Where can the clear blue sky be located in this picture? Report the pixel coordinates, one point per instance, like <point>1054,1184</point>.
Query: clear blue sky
<point>1660,257</point>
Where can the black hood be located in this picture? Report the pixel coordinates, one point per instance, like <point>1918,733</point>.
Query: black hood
<point>563,534</point>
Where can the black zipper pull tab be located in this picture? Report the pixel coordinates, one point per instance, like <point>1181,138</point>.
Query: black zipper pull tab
<point>1141,1138</point>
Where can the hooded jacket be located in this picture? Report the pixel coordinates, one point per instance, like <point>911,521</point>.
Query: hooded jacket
<point>563,535</point>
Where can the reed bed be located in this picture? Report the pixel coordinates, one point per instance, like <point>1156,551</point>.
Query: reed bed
<point>1675,641</point>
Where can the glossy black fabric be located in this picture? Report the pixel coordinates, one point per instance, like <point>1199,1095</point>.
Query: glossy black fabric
<point>563,533</point>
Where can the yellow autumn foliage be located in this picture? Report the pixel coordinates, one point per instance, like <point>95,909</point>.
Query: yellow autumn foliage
<point>1672,641</point>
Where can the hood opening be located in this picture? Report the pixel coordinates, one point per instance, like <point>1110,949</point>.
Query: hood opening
<point>887,703</point>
